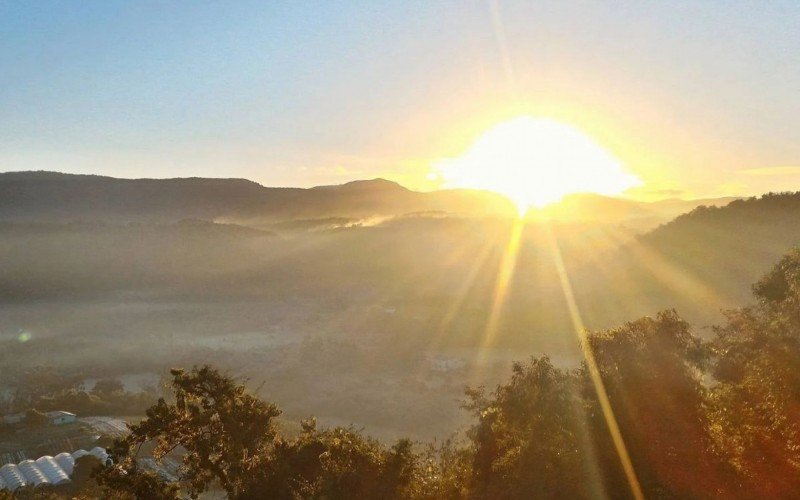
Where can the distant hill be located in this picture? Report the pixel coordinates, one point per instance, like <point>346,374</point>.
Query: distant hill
<point>769,212</point>
<point>699,262</point>
<point>732,245</point>
<point>56,197</point>
<point>637,215</point>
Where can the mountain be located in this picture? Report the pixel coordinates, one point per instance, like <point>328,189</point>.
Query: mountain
<point>641,216</point>
<point>700,262</point>
<point>732,245</point>
<point>57,197</point>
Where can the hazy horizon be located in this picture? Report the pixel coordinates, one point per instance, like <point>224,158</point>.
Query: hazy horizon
<point>622,196</point>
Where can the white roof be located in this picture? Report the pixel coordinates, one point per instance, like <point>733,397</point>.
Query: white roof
<point>66,461</point>
<point>45,470</point>
<point>32,473</point>
<point>12,477</point>
<point>52,470</point>
<point>59,413</point>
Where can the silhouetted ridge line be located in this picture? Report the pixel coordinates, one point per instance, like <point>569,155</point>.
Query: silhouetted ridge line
<point>56,197</point>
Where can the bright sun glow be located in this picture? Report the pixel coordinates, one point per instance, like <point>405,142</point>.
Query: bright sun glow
<point>536,161</point>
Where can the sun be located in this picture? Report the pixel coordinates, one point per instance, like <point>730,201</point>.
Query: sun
<point>534,162</point>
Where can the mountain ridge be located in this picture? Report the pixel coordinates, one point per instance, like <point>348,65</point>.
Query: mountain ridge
<point>54,196</point>
<point>61,197</point>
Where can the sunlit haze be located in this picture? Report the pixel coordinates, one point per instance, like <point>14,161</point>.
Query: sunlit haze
<point>415,250</point>
<point>535,161</point>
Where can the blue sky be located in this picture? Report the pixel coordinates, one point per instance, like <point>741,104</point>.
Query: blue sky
<point>697,97</point>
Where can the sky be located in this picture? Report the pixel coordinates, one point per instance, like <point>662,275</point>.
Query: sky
<point>695,98</point>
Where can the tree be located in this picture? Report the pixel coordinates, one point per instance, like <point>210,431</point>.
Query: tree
<point>225,433</point>
<point>444,471</point>
<point>779,289</point>
<point>37,383</point>
<point>228,439</point>
<point>128,481</point>
<point>756,402</point>
<point>108,386</point>
<point>35,418</point>
<point>528,439</point>
<point>337,463</point>
<point>651,370</point>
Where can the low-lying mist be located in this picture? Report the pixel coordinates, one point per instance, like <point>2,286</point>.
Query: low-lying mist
<point>377,324</point>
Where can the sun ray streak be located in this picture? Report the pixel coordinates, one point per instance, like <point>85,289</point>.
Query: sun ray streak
<point>594,372</point>
<point>500,37</point>
<point>458,301</point>
<point>505,272</point>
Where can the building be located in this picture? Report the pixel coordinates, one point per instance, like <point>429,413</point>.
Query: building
<point>53,418</point>
<point>13,418</point>
<point>60,417</point>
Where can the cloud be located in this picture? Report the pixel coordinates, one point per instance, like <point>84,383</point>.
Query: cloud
<point>665,192</point>
<point>733,189</point>
<point>655,193</point>
<point>771,171</point>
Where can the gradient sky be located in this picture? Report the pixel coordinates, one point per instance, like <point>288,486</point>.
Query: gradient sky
<point>698,98</point>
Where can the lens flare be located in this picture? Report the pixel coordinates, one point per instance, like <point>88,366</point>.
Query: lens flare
<point>536,161</point>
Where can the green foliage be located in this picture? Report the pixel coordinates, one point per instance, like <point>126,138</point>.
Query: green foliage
<point>38,383</point>
<point>108,386</point>
<point>337,463</point>
<point>34,418</point>
<point>780,288</point>
<point>651,370</point>
<point>528,436</point>
<point>47,389</point>
<point>130,482</point>
<point>756,404</point>
<point>227,438</point>
<point>444,472</point>
<point>31,493</point>
<point>224,432</point>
